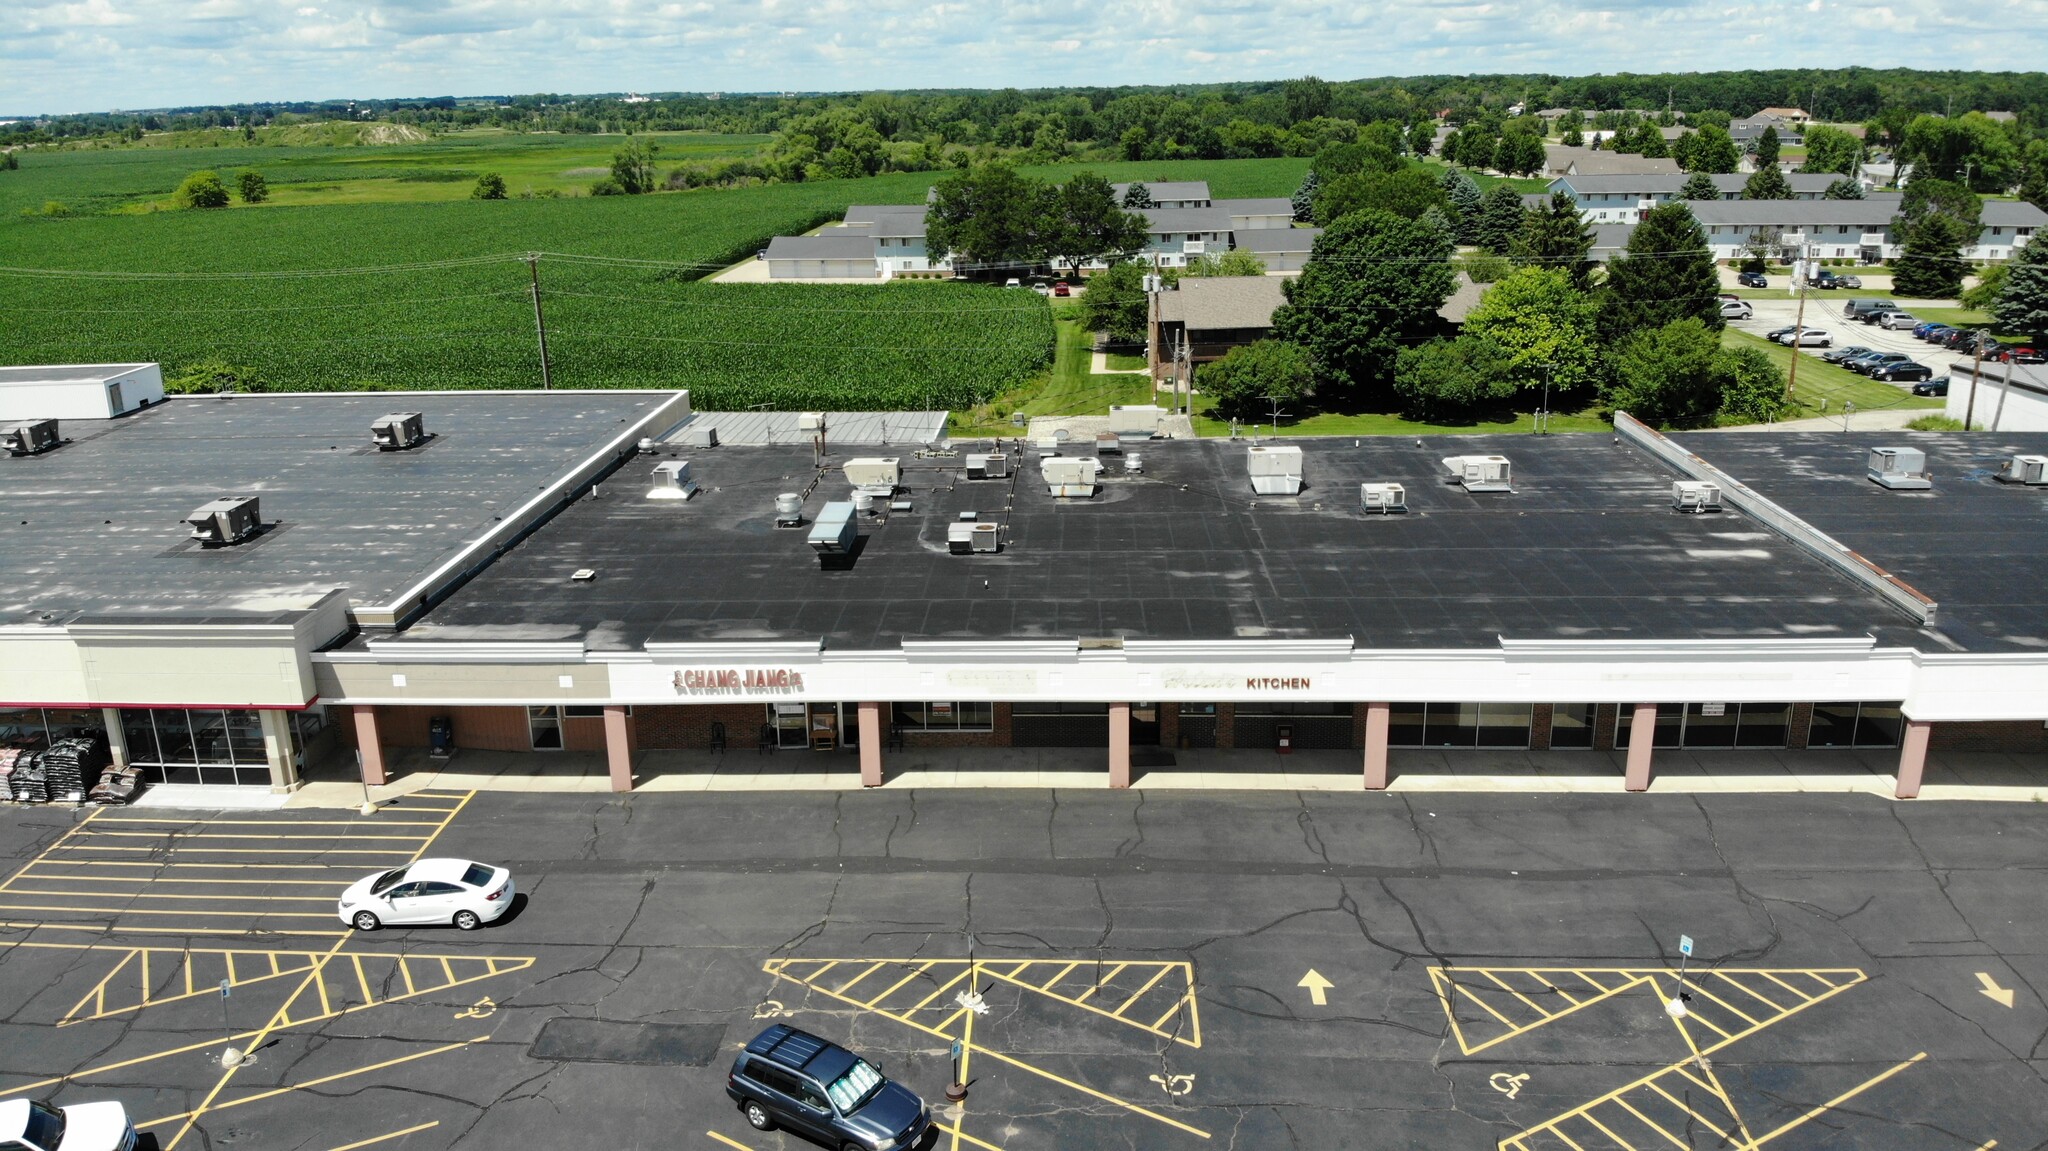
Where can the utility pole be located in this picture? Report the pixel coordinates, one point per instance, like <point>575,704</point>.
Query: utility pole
<point>540,324</point>
<point>1183,371</point>
<point>1803,270</point>
<point>1976,369</point>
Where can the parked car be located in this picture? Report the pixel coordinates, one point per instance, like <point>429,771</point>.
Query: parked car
<point>1930,330</point>
<point>1013,282</point>
<point>1820,279</point>
<point>458,891</point>
<point>1810,338</point>
<point>1974,344</point>
<point>1901,372</point>
<point>1778,335</point>
<point>1837,355</point>
<point>1869,362</point>
<point>820,1090</point>
<point>1062,289</point>
<point>1736,310</point>
<point>1867,309</point>
<point>1752,280</point>
<point>1954,336</point>
<point>38,1126</point>
<point>1938,386</point>
<point>1897,321</point>
<point>2021,355</point>
<point>1849,282</point>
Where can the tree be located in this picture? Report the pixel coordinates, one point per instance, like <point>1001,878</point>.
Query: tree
<point>1752,387</point>
<point>1138,197</point>
<point>1408,193</point>
<point>1463,194</point>
<point>1767,147</point>
<point>1832,150</point>
<point>1707,149</point>
<point>1991,282</point>
<point>253,187</point>
<point>201,190</point>
<point>1557,236</point>
<point>1336,160</point>
<point>989,218</point>
<point>1305,99</point>
<point>1085,223</point>
<point>1767,183</point>
<point>607,186</point>
<point>1970,149</point>
<point>1936,219</point>
<point>9,162</point>
<point>1115,303</point>
<point>1650,142</point>
<point>1304,199</point>
<point>1235,262</point>
<point>1699,186</point>
<point>633,167</point>
<point>1448,381</point>
<point>1845,188</point>
<point>489,186</point>
<point>1373,281</point>
<point>1669,375</point>
<point>1246,381</point>
<point>1500,219</point>
<point>2023,304</point>
<point>1574,133</point>
<point>1544,325</point>
<point>1665,274</point>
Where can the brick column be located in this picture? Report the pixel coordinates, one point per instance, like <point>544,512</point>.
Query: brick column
<point>618,747</point>
<point>1120,745</point>
<point>369,747</point>
<point>870,745</point>
<point>1642,734</point>
<point>1912,757</point>
<point>1377,716</point>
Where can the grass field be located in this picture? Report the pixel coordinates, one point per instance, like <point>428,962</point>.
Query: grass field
<point>1389,424</point>
<point>1821,381</point>
<point>1069,388</point>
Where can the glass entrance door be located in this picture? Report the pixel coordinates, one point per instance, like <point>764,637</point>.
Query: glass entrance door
<point>790,729</point>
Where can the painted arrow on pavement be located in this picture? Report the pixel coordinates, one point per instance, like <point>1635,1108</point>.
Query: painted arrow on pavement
<point>1319,986</point>
<point>1990,988</point>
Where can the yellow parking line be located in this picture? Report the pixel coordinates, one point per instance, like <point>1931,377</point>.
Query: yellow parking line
<point>353,868</point>
<point>99,991</point>
<point>1474,997</point>
<point>363,979</point>
<point>1604,1130</point>
<point>1743,1015</point>
<point>75,829</point>
<point>1511,991</point>
<point>1763,999</point>
<point>450,818</point>
<point>1689,1110</point>
<point>165,879</point>
<point>1099,984</point>
<point>385,851</point>
<point>1149,985</point>
<point>729,1142</point>
<point>1653,1125</point>
<point>1838,1100</point>
<point>894,987</point>
<point>165,911</point>
<point>217,898</point>
<point>943,988</point>
<point>269,822</point>
<point>960,1135</point>
<point>1178,1004</point>
<point>183,838</point>
<point>260,1096</point>
<point>872,968</point>
<point>1787,986</point>
<point>1049,984</point>
<point>386,1138</point>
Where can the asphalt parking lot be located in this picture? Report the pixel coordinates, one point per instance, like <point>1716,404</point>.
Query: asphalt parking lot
<point>1825,311</point>
<point>1154,971</point>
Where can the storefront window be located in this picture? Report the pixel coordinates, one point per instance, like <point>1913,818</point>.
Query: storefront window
<point>1059,709</point>
<point>945,716</point>
<point>1855,725</point>
<point>544,727</point>
<point>1269,707</point>
<point>1571,725</point>
<point>1459,725</point>
<point>211,746</point>
<point>1712,725</point>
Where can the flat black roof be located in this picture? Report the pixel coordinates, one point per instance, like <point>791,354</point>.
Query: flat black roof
<point>1587,547</point>
<point>1973,544</point>
<point>97,525</point>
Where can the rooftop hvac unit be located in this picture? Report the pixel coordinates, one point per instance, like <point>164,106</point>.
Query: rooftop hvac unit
<point>1695,496</point>
<point>1383,498</point>
<point>672,481</point>
<point>882,472</point>
<point>789,510</point>
<point>968,538</point>
<point>2023,470</point>
<point>1275,469</point>
<point>701,436</point>
<point>1138,421</point>
<point>1481,473</point>
<point>1900,469</point>
<point>1109,444</point>
<point>31,438</point>
<point>228,520</point>
<point>810,421</point>
<point>836,529</point>
<point>993,466</point>
<point>1070,476</point>
<point>395,433</point>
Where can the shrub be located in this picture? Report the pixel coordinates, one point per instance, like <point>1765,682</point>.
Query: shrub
<point>1246,381</point>
<point>1936,424</point>
<point>202,189</point>
<point>254,188</point>
<point>607,187</point>
<point>489,186</point>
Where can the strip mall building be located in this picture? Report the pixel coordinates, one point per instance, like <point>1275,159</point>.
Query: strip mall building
<point>535,573</point>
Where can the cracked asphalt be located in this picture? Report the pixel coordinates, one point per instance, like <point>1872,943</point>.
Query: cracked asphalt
<point>665,909</point>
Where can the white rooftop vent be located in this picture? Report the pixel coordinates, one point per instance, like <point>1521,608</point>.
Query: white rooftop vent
<point>1276,470</point>
<point>968,538</point>
<point>672,481</point>
<point>31,438</point>
<point>810,421</point>
<point>1900,469</point>
<point>789,510</point>
<point>225,521</point>
<point>1481,473</point>
<point>1070,476</point>
<point>883,472</point>
<point>992,466</point>
<point>1383,498</point>
<point>1694,496</point>
<point>397,432</point>
<point>2032,470</point>
<point>836,530</point>
<point>1138,421</point>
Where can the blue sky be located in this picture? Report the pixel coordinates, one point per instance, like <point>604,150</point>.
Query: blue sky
<point>95,55</point>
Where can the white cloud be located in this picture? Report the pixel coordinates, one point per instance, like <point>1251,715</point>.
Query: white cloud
<point>168,49</point>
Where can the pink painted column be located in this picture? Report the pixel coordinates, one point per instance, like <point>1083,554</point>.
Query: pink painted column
<point>1642,735</point>
<point>871,745</point>
<point>369,746</point>
<point>1120,745</point>
<point>1913,757</point>
<point>618,747</point>
<point>1377,717</point>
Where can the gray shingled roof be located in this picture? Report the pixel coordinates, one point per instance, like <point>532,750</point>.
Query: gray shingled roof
<point>1668,183</point>
<point>1186,219</point>
<point>1277,239</point>
<point>1208,303</point>
<point>1557,157</point>
<point>869,213</point>
<point>1875,212</point>
<point>1258,206</point>
<point>821,248</point>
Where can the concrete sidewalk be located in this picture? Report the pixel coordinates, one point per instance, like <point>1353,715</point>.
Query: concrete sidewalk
<point>1961,775</point>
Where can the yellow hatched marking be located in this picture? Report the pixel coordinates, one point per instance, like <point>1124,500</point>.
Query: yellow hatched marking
<point>81,825</point>
<point>149,895</point>
<point>176,837</point>
<point>1149,985</point>
<point>1049,984</point>
<point>1604,1130</point>
<point>1696,1017</point>
<point>101,877</point>
<point>1838,1100</point>
<point>188,971</point>
<point>166,911</point>
<point>1675,1101</point>
<point>447,969</point>
<point>405,970</point>
<point>1546,1014</point>
<point>1186,998</point>
<point>384,851</point>
<point>271,822</point>
<point>363,979</point>
<point>963,1136</point>
<point>1654,1125</point>
<point>1166,966</point>
<point>943,988</point>
<point>898,985</point>
<point>98,994</point>
<point>872,968</point>
<point>1745,1016</point>
<point>260,1096</point>
<point>273,963</point>
<point>385,1138</point>
<point>1474,997</point>
<point>1785,985</point>
<point>1101,983</point>
<point>1596,984</point>
<point>1759,997</point>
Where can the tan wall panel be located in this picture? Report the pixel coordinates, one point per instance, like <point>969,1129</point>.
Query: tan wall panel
<point>198,673</point>
<point>41,671</point>
<point>521,683</point>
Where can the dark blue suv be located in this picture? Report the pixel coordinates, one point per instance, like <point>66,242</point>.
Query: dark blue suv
<point>795,1080</point>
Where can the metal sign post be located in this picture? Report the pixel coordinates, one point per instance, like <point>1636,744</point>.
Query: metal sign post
<point>1676,1008</point>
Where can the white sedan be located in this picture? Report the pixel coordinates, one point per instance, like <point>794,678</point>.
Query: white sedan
<point>79,1127</point>
<point>458,891</point>
<point>1807,338</point>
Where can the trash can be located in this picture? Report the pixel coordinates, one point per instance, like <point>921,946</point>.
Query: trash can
<point>1283,739</point>
<point>441,736</point>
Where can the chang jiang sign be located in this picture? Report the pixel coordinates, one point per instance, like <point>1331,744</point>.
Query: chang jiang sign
<point>738,681</point>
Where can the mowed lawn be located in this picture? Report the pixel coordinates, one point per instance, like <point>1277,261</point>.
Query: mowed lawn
<point>1820,381</point>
